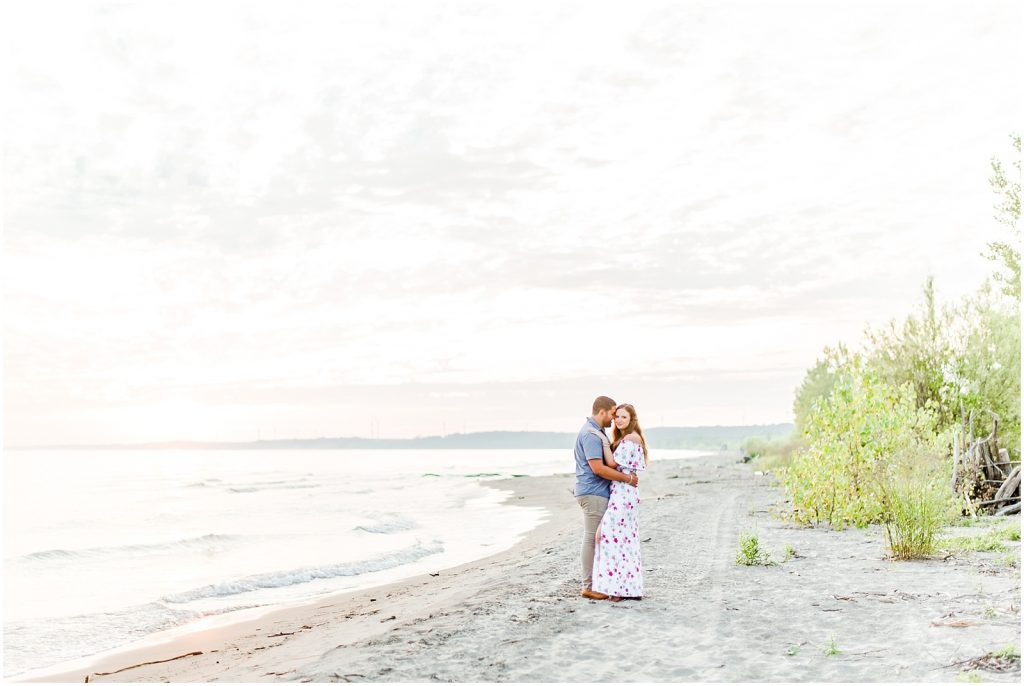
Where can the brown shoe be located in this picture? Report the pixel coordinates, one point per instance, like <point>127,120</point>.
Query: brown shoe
<point>593,595</point>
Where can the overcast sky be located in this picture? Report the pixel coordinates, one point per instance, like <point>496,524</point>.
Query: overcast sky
<point>231,220</point>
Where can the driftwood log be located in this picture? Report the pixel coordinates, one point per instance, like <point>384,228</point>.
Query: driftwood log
<point>1009,509</point>
<point>983,472</point>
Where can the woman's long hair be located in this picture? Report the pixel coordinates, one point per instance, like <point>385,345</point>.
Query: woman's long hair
<point>633,426</point>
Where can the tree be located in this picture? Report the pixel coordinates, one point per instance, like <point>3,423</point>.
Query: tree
<point>817,383</point>
<point>918,353</point>
<point>984,374</point>
<point>1007,213</point>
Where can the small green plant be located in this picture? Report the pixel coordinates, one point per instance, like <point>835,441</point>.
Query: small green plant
<point>971,677</point>
<point>989,613</point>
<point>832,647</point>
<point>985,543</point>
<point>1011,531</point>
<point>789,553</point>
<point>792,650</point>
<point>980,521</point>
<point>1009,560</point>
<point>751,553</point>
<point>1010,652</point>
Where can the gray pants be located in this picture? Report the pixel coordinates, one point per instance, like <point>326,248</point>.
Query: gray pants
<point>593,510</point>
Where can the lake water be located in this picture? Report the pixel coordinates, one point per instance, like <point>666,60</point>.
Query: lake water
<point>102,548</point>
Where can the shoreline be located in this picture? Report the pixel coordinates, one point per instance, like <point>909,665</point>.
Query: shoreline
<point>193,636</point>
<point>837,611</point>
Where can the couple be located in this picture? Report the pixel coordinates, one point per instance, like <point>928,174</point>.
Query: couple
<point>606,489</point>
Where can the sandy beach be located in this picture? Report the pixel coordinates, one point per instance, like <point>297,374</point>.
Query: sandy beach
<point>517,616</point>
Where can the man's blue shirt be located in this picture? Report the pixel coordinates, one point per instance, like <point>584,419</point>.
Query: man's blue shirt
<point>590,447</point>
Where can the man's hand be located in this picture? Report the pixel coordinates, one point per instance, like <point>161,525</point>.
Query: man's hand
<point>606,472</point>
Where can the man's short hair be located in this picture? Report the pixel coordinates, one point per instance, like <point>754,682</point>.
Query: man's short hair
<point>603,402</point>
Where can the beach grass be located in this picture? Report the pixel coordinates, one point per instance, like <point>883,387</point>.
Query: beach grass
<point>914,512</point>
<point>773,462</point>
<point>989,542</point>
<point>979,521</point>
<point>773,454</point>
<point>1011,531</point>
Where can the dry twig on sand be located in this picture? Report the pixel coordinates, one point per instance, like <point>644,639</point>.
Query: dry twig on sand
<point>141,664</point>
<point>1005,660</point>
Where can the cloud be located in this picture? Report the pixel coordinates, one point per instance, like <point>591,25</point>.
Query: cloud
<point>241,197</point>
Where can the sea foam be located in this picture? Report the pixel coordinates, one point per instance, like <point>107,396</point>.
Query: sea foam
<point>197,543</point>
<point>303,575</point>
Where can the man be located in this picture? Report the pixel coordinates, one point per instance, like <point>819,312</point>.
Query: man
<point>593,480</point>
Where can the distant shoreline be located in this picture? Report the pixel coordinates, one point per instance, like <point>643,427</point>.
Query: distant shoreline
<point>669,438</point>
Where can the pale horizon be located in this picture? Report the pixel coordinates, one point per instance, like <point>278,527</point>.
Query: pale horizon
<point>231,221</point>
<point>261,437</point>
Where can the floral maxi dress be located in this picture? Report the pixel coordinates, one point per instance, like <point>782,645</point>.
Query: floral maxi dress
<point>617,565</point>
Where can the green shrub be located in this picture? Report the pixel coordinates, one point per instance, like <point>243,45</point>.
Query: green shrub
<point>817,385</point>
<point>855,438</point>
<point>874,430</point>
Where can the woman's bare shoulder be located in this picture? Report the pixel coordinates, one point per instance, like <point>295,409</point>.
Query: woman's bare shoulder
<point>632,438</point>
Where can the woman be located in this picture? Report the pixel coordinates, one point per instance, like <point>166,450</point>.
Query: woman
<point>618,570</point>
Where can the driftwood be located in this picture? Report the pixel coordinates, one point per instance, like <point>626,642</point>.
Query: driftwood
<point>1009,509</point>
<point>1011,485</point>
<point>983,473</point>
<point>142,664</point>
<point>995,501</point>
<point>994,445</point>
<point>956,464</point>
